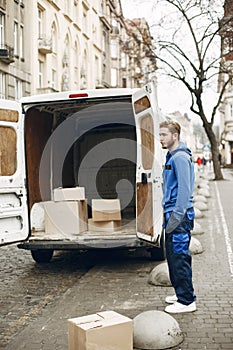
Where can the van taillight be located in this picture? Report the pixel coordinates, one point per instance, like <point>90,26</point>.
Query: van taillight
<point>78,95</point>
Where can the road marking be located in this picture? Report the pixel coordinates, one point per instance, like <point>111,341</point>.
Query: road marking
<point>226,232</point>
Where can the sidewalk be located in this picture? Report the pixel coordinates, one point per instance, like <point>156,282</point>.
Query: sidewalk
<point>123,287</point>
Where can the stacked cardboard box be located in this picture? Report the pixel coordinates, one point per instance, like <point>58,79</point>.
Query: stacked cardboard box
<point>102,331</point>
<point>106,210</point>
<point>69,194</point>
<point>106,215</point>
<point>103,226</point>
<point>67,213</point>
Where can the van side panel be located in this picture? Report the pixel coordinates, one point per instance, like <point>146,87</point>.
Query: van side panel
<point>38,128</point>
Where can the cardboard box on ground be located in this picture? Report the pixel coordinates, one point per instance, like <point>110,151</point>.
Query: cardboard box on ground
<point>104,330</point>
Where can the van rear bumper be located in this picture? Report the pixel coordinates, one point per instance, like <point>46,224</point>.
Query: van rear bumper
<point>86,244</point>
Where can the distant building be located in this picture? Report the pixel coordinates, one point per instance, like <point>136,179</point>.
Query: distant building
<point>48,46</point>
<point>226,108</point>
<point>187,134</point>
<point>138,46</point>
<point>15,74</point>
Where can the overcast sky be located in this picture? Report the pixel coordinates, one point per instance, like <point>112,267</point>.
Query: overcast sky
<point>172,96</point>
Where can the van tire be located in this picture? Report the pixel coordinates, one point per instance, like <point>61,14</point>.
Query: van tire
<point>158,253</point>
<point>42,256</point>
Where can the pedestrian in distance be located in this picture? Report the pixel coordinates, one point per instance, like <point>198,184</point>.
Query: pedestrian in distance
<point>199,163</point>
<point>178,186</point>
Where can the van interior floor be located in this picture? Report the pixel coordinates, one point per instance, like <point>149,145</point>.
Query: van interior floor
<point>126,230</point>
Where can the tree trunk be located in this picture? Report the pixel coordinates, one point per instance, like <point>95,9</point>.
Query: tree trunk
<point>215,151</point>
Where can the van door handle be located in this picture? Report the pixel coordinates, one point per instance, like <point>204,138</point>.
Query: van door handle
<point>144,178</point>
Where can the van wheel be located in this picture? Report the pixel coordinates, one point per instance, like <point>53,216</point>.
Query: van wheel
<point>42,255</point>
<point>158,254</point>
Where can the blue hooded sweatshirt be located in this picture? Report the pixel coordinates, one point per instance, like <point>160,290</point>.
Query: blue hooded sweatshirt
<point>178,184</point>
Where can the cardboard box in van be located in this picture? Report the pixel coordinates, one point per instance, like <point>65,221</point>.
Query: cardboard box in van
<point>69,194</point>
<point>102,331</point>
<point>106,210</point>
<point>68,217</point>
<point>103,226</point>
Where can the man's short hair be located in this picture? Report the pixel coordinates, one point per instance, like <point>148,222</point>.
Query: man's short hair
<point>171,125</point>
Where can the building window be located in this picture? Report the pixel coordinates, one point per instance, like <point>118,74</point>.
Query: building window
<point>114,48</point>
<point>54,38</point>
<point>75,11</point>
<point>101,5</point>
<point>16,35</point>
<point>85,21</point>
<point>54,79</point>
<point>2,85</point>
<point>124,82</point>
<point>67,6</point>
<point>113,77</point>
<point>104,41</point>
<point>123,60</point>
<point>21,42</point>
<point>76,74</point>
<point>18,89</point>
<point>97,76</point>
<point>40,75</point>
<point>2,29</point>
<point>115,26</point>
<point>40,23</point>
<point>104,77</point>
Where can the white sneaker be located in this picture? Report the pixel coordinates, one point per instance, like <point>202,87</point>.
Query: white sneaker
<point>171,299</point>
<point>179,308</point>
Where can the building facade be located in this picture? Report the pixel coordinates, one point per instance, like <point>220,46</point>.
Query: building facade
<point>15,75</point>
<point>226,108</point>
<point>61,45</point>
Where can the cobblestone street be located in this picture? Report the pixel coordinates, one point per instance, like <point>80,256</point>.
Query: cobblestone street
<point>27,288</point>
<point>36,301</point>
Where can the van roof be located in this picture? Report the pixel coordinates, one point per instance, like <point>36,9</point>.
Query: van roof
<point>65,95</point>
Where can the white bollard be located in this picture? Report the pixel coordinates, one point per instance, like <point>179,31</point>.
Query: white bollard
<point>153,330</point>
<point>195,246</point>
<point>159,276</point>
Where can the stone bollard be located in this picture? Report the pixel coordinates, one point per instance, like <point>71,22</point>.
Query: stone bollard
<point>201,206</point>
<point>198,230</point>
<point>199,198</point>
<point>159,276</point>
<point>198,213</point>
<point>195,246</point>
<point>203,192</point>
<point>154,330</point>
<point>203,185</point>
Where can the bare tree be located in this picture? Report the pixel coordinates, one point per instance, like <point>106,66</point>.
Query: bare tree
<point>187,47</point>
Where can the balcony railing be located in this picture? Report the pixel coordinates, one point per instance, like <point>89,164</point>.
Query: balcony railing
<point>45,45</point>
<point>7,53</point>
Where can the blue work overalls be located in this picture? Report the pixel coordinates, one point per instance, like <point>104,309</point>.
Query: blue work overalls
<point>179,258</point>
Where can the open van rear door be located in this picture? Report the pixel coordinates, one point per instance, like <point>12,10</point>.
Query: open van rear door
<point>149,166</point>
<point>13,196</point>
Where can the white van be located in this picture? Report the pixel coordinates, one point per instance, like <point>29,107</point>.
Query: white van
<point>104,140</point>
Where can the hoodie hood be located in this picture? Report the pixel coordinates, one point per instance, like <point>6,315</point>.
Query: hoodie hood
<point>182,147</point>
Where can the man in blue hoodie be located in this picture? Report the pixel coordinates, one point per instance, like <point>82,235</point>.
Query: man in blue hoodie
<point>178,185</point>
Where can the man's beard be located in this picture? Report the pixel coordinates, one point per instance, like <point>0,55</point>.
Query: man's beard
<point>169,145</point>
